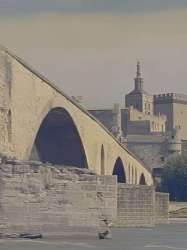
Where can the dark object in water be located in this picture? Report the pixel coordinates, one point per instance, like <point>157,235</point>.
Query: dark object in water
<point>30,236</point>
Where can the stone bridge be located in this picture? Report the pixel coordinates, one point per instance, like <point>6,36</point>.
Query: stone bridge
<point>40,122</point>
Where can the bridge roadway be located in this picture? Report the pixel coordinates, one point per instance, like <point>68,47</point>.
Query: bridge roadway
<point>40,122</point>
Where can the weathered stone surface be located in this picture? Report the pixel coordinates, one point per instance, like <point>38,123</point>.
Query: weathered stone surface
<point>136,206</point>
<point>42,198</point>
<point>52,197</point>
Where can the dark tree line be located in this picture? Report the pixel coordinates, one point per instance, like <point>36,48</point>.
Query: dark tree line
<point>174,178</point>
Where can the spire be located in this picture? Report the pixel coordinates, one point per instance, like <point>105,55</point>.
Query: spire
<point>138,80</point>
<point>138,72</point>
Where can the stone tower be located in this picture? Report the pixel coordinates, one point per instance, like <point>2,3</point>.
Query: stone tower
<point>138,80</point>
<point>139,98</point>
<point>174,140</point>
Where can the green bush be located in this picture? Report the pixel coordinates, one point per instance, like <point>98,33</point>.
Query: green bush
<point>174,178</point>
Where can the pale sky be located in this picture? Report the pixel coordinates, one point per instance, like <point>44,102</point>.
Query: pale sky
<point>90,47</point>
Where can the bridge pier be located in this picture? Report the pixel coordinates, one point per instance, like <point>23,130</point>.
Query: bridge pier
<point>141,206</point>
<point>34,196</point>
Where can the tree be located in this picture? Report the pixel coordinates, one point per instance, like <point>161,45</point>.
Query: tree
<point>174,178</point>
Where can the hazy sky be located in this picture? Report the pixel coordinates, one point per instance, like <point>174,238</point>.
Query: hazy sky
<point>90,47</point>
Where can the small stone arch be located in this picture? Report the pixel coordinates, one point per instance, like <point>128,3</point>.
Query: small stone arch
<point>119,170</point>
<point>142,180</point>
<point>102,160</point>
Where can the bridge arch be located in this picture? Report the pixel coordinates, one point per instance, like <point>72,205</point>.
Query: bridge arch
<point>58,141</point>
<point>29,109</point>
<point>142,180</point>
<point>102,160</point>
<point>119,170</point>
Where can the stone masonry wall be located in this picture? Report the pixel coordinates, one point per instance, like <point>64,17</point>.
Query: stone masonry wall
<point>135,206</point>
<point>161,208</point>
<point>152,154</point>
<point>36,197</point>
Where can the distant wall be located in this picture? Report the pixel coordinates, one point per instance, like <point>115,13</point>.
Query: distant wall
<point>180,118</point>
<point>153,154</point>
<point>164,105</point>
<point>106,117</point>
<point>138,127</point>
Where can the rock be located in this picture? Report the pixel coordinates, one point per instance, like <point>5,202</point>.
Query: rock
<point>30,236</point>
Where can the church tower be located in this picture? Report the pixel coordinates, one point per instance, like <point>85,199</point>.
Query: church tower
<point>138,81</point>
<point>138,98</point>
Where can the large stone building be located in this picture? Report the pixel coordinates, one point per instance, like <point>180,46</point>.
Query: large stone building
<point>152,126</point>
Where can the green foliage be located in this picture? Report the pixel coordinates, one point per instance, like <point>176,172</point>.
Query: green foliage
<point>174,178</point>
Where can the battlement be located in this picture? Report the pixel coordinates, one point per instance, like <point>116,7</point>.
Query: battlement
<point>170,97</point>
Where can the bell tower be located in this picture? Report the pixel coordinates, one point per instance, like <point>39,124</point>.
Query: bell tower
<point>139,99</point>
<point>138,81</point>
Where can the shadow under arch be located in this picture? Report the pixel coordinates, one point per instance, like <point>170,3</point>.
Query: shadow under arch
<point>135,176</point>
<point>58,141</point>
<point>102,160</point>
<point>142,180</point>
<point>132,175</point>
<point>129,172</point>
<point>119,171</point>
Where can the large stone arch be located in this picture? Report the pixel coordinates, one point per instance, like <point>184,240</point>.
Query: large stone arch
<point>58,141</point>
<point>119,170</point>
<point>102,160</point>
